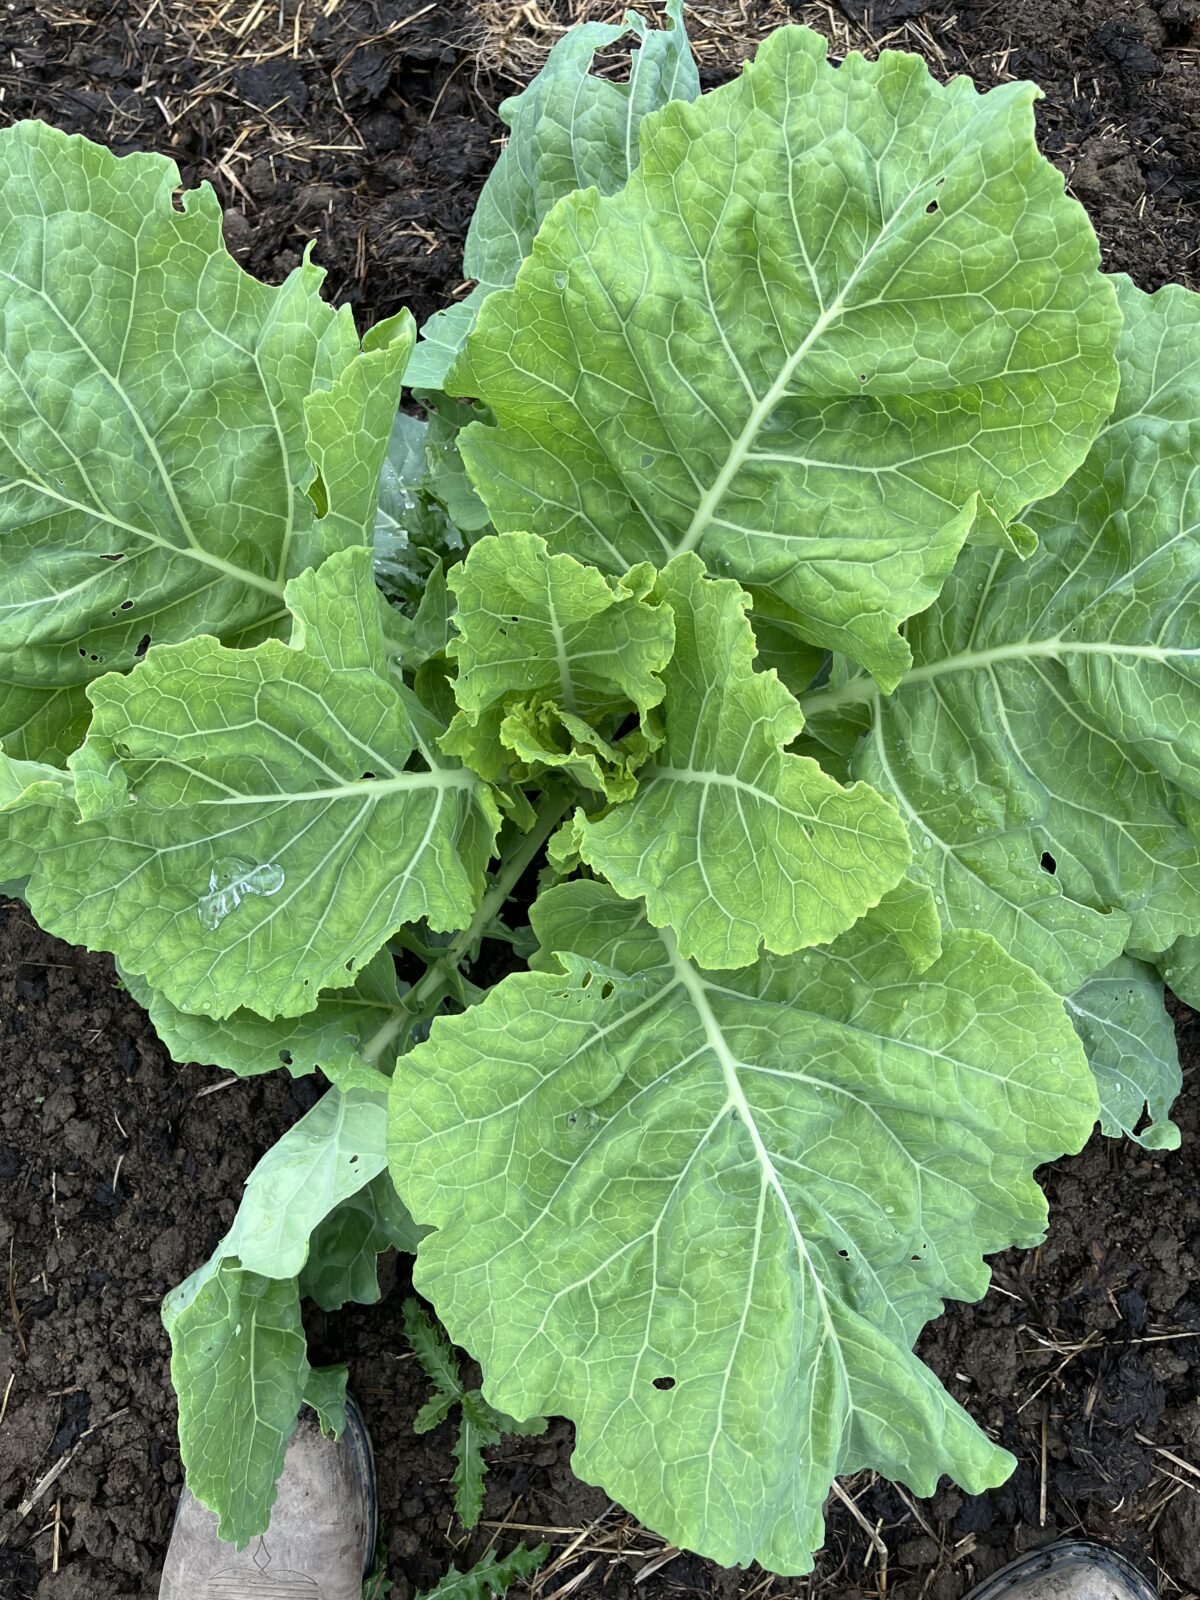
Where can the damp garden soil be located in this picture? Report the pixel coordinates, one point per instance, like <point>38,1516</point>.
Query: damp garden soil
<point>370,127</point>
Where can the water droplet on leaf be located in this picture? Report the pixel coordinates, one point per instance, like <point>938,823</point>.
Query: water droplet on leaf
<point>229,882</point>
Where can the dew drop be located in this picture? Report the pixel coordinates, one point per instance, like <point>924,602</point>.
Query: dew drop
<point>229,882</point>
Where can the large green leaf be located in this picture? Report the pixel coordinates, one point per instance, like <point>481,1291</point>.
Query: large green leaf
<point>276,831</point>
<point>32,796</point>
<point>1130,1041</point>
<point>733,842</point>
<point>1045,748</point>
<point>239,1367</point>
<point>1180,968</point>
<point>346,1036</point>
<point>239,1362</point>
<point>569,130</point>
<point>161,418</point>
<point>552,657</point>
<point>837,321</point>
<point>705,1217</point>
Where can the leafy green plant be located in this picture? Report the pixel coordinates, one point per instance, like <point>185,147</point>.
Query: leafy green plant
<point>716,797</point>
<point>479,1424</point>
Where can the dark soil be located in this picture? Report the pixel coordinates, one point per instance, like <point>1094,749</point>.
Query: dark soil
<point>342,120</point>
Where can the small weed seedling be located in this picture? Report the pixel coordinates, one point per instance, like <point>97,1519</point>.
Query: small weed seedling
<point>479,1424</point>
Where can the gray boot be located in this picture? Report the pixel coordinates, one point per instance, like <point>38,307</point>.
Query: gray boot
<point>321,1540</point>
<point>1068,1569</point>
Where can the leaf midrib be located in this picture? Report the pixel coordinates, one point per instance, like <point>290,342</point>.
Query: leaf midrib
<point>862,690</point>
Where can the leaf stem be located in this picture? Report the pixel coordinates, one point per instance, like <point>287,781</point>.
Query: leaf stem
<point>855,692</point>
<point>427,993</point>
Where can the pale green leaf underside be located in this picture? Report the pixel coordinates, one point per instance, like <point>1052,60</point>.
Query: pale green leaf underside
<point>1045,748</point>
<point>278,835</point>
<point>1130,1042</point>
<point>330,1154</point>
<point>638,1171</point>
<point>1180,968</point>
<point>345,1248</point>
<point>238,1354</point>
<point>325,1392</point>
<point>569,130</point>
<point>154,450</point>
<point>32,795</point>
<point>734,843</point>
<point>835,320</point>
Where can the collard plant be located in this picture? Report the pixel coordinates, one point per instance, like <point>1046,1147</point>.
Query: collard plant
<point>772,660</point>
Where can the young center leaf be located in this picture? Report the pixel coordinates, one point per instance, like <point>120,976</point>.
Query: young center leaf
<point>162,416</point>
<point>273,817</point>
<point>553,658</point>
<point>568,130</point>
<point>837,321</point>
<point>1045,747</point>
<point>414,532</point>
<point>734,842</point>
<point>1130,1040</point>
<point>706,1216</point>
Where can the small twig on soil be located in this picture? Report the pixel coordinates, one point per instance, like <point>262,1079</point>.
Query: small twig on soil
<point>376,38</point>
<point>656,1564</point>
<point>544,1528</point>
<point>581,1536</point>
<point>574,1583</point>
<point>915,1509</point>
<point>7,1391</point>
<point>872,1534</point>
<point>12,1298</point>
<point>1065,1362</point>
<point>213,1088</point>
<point>51,1477</point>
<point>495,1538</point>
<point>1162,1450</point>
<point>1042,1491</point>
